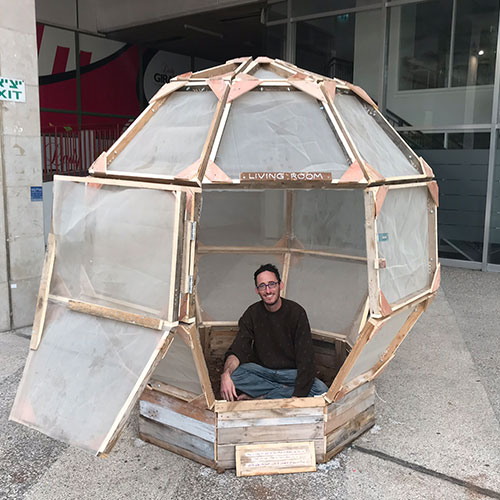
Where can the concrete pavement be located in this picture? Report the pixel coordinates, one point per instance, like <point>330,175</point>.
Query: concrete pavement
<point>437,434</point>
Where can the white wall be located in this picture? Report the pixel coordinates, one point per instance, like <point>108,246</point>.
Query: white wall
<point>21,217</point>
<point>438,107</point>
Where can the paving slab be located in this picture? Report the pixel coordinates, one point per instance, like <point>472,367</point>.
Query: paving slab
<point>475,300</point>
<point>432,408</point>
<point>437,434</point>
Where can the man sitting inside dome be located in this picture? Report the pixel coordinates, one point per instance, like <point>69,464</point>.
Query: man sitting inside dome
<point>272,356</point>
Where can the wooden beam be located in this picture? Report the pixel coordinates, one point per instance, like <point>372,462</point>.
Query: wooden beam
<point>341,131</point>
<point>432,225</point>
<point>220,130</point>
<point>122,417</point>
<point>329,336</point>
<point>212,132</point>
<point>359,323</point>
<point>262,404</point>
<point>372,252</point>
<point>170,390</point>
<point>337,383</point>
<point>286,270</point>
<point>133,130</point>
<point>127,183</point>
<point>115,314</point>
<point>176,262</point>
<point>167,89</point>
<point>43,293</point>
<point>201,365</point>
<point>209,249</point>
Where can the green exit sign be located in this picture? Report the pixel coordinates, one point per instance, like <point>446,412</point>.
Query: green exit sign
<point>12,89</point>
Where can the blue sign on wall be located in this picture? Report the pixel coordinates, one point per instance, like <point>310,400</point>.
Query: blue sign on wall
<point>36,193</point>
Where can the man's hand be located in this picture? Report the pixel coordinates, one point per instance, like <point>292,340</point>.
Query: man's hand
<point>227,388</point>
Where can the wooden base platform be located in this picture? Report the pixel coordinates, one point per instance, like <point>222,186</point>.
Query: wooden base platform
<point>210,436</point>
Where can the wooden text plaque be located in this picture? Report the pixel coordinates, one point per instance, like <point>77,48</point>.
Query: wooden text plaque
<point>275,458</point>
<point>286,176</point>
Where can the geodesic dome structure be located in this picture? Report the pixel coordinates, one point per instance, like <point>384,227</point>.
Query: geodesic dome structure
<point>150,262</point>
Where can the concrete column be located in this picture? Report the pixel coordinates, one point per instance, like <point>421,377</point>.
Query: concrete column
<point>21,218</point>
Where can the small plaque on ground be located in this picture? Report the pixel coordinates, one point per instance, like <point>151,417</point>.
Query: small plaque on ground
<point>275,458</point>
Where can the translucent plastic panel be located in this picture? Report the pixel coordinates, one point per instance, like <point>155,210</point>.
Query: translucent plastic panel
<point>266,74</point>
<point>372,142</point>
<point>378,344</point>
<point>330,220</point>
<point>277,131</point>
<point>403,240</point>
<point>331,291</point>
<point>76,383</point>
<point>225,283</point>
<point>242,218</point>
<point>114,246</point>
<point>177,368</point>
<point>173,138</point>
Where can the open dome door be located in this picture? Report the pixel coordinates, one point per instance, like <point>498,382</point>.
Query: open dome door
<point>115,283</point>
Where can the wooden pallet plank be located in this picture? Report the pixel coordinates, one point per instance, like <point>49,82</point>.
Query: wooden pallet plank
<point>337,449</point>
<point>178,406</point>
<point>262,404</point>
<point>178,421</point>
<point>170,390</point>
<point>271,433</point>
<point>349,414</point>
<point>271,421</point>
<point>115,314</point>
<point>175,437</point>
<point>350,399</point>
<point>346,432</point>
<point>271,413</point>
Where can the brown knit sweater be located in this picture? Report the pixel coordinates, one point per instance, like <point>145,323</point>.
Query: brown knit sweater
<point>277,340</point>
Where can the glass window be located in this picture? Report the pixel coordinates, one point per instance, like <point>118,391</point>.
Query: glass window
<point>475,42</point>
<point>304,8</point>
<point>460,164</point>
<point>326,46</point>
<point>276,11</point>
<point>345,46</point>
<point>494,246</point>
<point>276,41</point>
<point>424,44</point>
<point>423,90</point>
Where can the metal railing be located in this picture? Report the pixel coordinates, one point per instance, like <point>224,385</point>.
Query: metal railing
<point>70,151</point>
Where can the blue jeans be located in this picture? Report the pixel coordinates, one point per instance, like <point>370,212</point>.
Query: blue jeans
<point>256,381</point>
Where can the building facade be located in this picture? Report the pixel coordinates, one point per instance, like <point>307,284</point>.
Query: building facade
<point>433,67</point>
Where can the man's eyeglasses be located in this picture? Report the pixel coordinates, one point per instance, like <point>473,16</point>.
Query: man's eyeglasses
<point>272,285</point>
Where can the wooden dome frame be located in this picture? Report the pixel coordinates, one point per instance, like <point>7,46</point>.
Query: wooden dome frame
<point>192,422</point>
